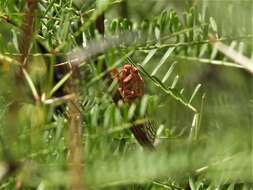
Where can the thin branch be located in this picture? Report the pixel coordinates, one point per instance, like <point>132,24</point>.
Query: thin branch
<point>208,61</point>
<point>75,132</point>
<point>245,62</point>
<point>27,31</point>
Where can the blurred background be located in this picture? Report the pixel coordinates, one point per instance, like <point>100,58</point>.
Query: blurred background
<point>200,100</point>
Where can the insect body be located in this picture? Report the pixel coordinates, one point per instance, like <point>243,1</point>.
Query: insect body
<point>131,83</point>
<point>132,87</point>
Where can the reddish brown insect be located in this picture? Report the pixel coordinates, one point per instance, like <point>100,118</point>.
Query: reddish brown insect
<point>132,87</point>
<point>131,83</point>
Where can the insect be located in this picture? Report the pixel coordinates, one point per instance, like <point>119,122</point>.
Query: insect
<point>131,88</point>
<point>131,83</point>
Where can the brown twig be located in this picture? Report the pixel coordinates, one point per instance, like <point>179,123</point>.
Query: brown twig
<point>27,31</point>
<point>123,9</point>
<point>75,133</point>
<point>100,24</point>
<point>25,42</point>
<point>24,47</point>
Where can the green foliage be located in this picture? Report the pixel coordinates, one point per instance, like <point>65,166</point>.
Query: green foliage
<point>203,112</point>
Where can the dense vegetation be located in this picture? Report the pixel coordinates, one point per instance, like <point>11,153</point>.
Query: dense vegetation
<point>60,126</point>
